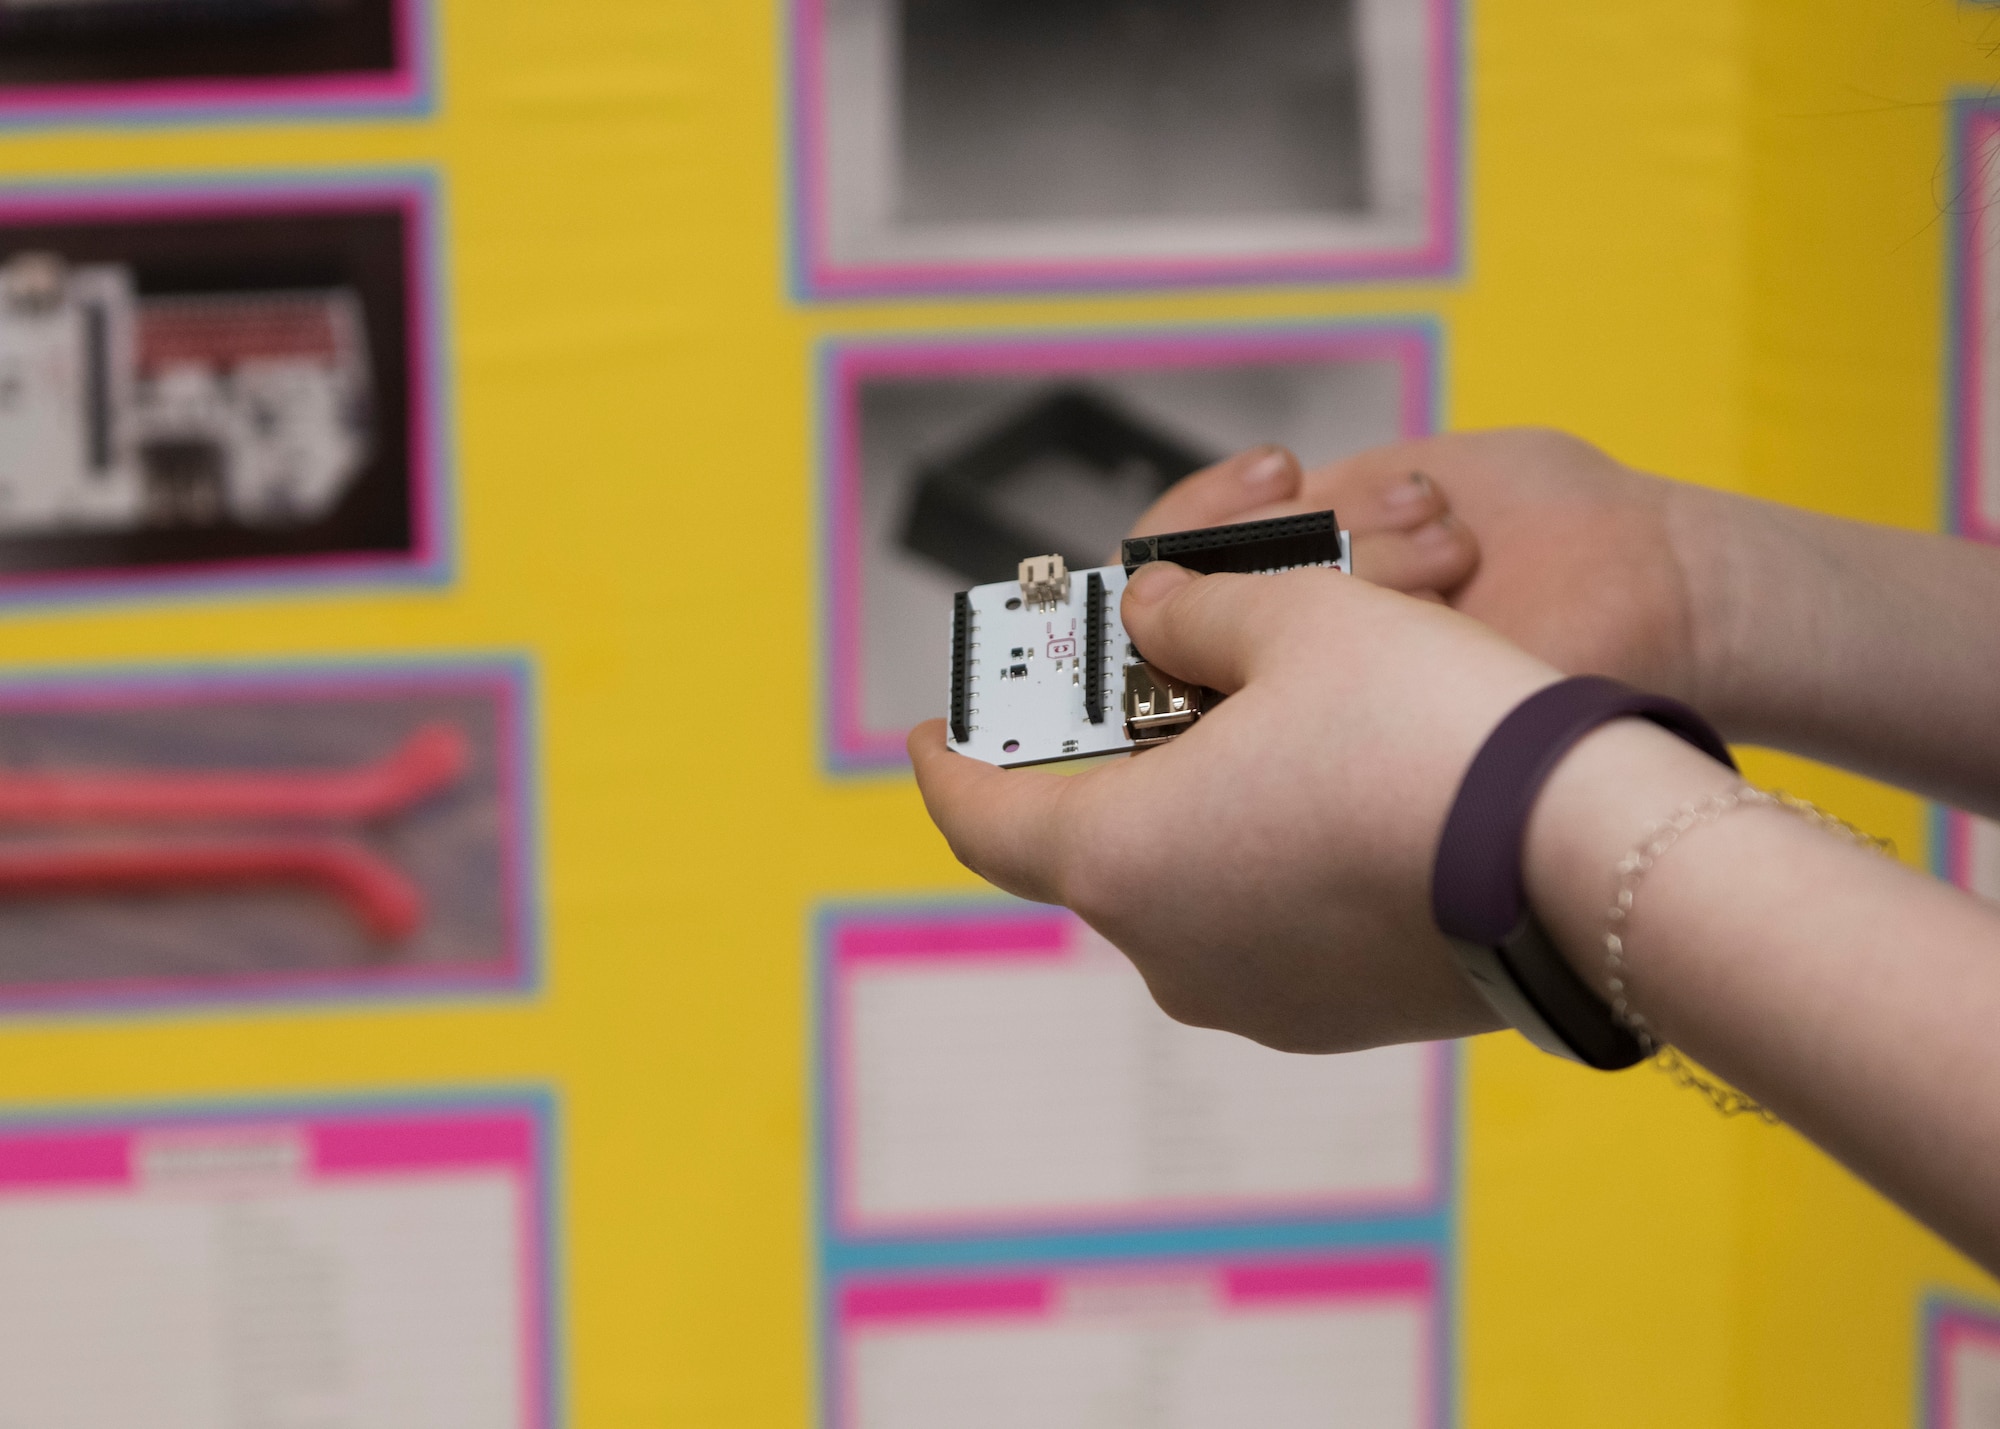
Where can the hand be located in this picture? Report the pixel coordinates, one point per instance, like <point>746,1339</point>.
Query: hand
<point>1860,645</point>
<point>1405,536</point>
<point>1585,562</point>
<point>1269,871</point>
<point>1578,559</point>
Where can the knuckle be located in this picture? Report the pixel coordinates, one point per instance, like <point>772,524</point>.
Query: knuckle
<point>1550,444</point>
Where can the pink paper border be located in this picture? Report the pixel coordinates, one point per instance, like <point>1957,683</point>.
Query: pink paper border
<point>820,276</point>
<point>503,684</point>
<point>1952,1328</point>
<point>47,1159</point>
<point>1239,1285</point>
<point>404,87</point>
<point>1976,186</point>
<point>1051,937</point>
<point>1958,848</point>
<point>413,199</point>
<point>1981,126</point>
<point>1411,345</point>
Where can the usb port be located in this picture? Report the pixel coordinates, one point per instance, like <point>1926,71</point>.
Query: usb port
<point>1157,706</point>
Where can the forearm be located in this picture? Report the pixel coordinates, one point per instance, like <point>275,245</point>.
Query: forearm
<point>1856,998</point>
<point>1868,647</point>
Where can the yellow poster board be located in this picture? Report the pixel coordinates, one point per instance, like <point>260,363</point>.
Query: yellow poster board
<point>635,331</point>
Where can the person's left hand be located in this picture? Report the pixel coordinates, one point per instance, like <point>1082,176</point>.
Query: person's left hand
<point>1405,535</point>
<point>1269,870</point>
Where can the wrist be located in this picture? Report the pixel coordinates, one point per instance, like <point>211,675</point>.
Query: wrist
<point>1757,589</point>
<point>1712,550</point>
<point>1593,809</point>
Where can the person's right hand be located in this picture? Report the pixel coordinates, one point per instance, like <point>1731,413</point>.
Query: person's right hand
<point>1268,871</point>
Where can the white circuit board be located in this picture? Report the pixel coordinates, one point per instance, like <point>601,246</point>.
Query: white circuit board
<point>1025,683</point>
<point>1043,670</point>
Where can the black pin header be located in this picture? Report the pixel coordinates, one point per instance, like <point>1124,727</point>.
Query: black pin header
<point>1254,546</point>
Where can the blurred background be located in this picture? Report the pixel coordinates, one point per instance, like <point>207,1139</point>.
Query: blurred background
<point>481,488</point>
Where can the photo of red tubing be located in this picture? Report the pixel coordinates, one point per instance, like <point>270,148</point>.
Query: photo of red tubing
<point>380,897</point>
<point>430,760</point>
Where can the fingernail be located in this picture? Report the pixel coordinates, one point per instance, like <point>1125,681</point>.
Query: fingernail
<point>1408,492</point>
<point>1155,582</point>
<point>1272,469</point>
<point>1433,534</point>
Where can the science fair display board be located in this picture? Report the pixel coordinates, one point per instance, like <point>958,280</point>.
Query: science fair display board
<point>481,492</point>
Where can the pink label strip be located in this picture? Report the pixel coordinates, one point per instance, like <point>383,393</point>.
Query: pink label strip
<point>954,939</point>
<point>1230,1287</point>
<point>79,1159</point>
<point>1981,130</point>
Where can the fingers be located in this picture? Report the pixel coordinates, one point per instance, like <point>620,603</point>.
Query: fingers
<point>1395,487</point>
<point>1385,489</point>
<point>1208,630</point>
<point>1004,824</point>
<point>1228,491</point>
<point>1405,536</point>
<point>1388,498</point>
<point>1439,555</point>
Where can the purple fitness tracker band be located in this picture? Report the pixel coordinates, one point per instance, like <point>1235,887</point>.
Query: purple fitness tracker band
<point>1476,893</point>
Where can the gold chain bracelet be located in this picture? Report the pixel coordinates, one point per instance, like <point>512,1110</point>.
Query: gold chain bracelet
<point>1632,870</point>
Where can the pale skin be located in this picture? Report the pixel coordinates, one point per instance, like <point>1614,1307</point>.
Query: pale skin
<point>1269,871</point>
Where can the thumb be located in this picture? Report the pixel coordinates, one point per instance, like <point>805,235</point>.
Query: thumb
<point>1208,630</point>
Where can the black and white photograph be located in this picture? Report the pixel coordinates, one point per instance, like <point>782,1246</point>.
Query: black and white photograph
<point>194,393</point>
<point>978,144</point>
<point>85,59</point>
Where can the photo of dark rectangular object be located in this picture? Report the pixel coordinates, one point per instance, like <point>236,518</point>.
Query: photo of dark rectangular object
<point>361,248</point>
<point>953,517</point>
<point>52,43</point>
